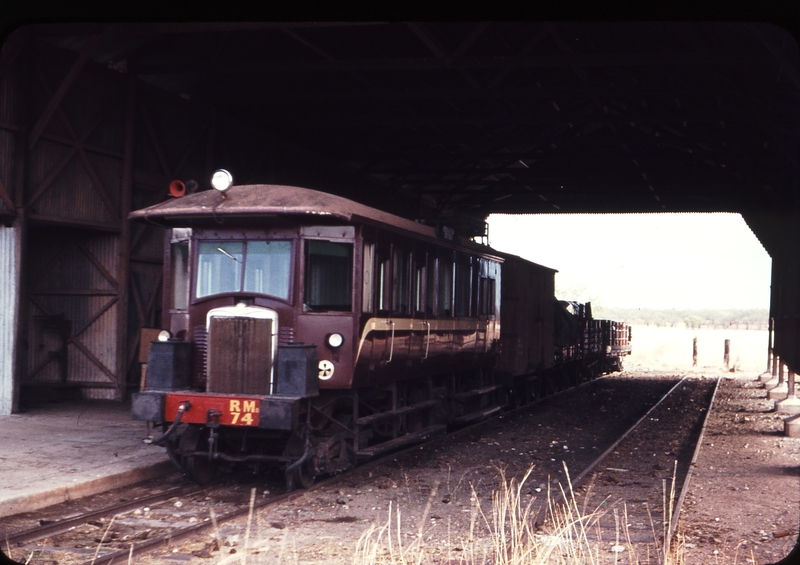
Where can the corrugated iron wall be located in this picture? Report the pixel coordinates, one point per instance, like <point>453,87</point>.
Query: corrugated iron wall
<point>9,254</point>
<point>11,118</point>
<point>73,308</point>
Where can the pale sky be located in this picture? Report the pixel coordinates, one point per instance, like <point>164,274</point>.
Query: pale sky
<point>663,261</point>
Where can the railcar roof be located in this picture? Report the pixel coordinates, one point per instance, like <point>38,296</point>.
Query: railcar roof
<point>263,200</point>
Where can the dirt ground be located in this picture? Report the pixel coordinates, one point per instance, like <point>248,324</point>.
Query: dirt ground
<point>742,507</point>
<point>744,500</point>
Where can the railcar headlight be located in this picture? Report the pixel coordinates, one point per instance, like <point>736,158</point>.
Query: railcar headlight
<point>164,335</point>
<point>222,180</point>
<point>335,340</point>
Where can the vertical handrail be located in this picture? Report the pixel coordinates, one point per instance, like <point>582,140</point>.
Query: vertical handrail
<point>391,346</point>
<point>428,342</point>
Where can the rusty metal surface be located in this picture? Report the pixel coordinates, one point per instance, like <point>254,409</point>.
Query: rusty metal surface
<point>527,316</point>
<point>267,200</point>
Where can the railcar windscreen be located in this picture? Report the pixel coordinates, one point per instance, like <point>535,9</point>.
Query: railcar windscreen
<point>266,265</point>
<point>328,276</point>
<point>267,268</point>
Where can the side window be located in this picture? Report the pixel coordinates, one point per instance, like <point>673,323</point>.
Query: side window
<point>463,285</point>
<point>400,267</point>
<point>487,287</point>
<point>419,280</point>
<point>368,281</point>
<point>384,290</point>
<point>328,276</point>
<point>476,286</point>
<point>180,275</point>
<point>430,285</point>
<point>446,266</point>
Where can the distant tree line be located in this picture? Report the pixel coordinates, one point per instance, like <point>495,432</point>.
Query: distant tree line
<point>693,319</point>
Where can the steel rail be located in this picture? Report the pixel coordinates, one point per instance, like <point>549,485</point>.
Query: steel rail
<point>180,534</point>
<point>67,524</point>
<point>559,496</point>
<point>673,525</point>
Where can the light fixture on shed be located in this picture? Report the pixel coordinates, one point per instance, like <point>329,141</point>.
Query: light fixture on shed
<point>222,180</point>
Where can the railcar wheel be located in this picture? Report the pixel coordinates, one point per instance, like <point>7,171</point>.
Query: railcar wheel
<point>303,476</point>
<point>200,468</point>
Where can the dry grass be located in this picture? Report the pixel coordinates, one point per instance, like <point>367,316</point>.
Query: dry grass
<point>507,534</point>
<point>512,530</point>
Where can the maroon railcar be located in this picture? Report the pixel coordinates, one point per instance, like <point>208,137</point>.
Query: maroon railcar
<point>305,330</point>
<point>310,330</point>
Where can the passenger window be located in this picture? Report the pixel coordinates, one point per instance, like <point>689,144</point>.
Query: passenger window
<point>446,285</point>
<point>419,281</point>
<point>384,288</point>
<point>328,276</point>
<point>400,280</point>
<point>431,294</point>
<point>475,292</point>
<point>463,285</point>
<point>487,288</point>
<point>368,286</point>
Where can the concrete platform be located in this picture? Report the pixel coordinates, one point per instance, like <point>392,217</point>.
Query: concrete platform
<point>63,451</point>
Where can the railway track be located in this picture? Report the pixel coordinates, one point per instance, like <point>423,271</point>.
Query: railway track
<point>637,485</point>
<point>118,533</point>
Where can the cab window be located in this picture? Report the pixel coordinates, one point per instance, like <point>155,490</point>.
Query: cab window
<point>328,276</point>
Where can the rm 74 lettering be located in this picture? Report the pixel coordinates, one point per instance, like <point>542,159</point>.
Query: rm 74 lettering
<point>242,412</point>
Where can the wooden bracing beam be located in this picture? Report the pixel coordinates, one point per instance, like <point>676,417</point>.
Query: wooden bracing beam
<point>124,267</point>
<point>5,198</point>
<point>151,132</point>
<point>78,146</point>
<point>73,340</point>
<point>500,63</point>
<point>98,265</point>
<point>65,85</point>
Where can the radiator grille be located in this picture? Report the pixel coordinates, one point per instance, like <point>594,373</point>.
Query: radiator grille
<point>239,355</point>
<point>199,360</point>
<point>285,335</point>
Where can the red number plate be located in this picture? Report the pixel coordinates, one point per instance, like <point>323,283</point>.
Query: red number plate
<point>233,410</point>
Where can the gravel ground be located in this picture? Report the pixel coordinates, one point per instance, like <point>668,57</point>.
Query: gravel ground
<point>439,496</point>
<point>744,502</point>
<point>742,507</point>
